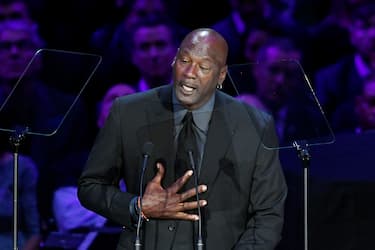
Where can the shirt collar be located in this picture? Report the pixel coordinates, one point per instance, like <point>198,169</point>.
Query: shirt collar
<point>201,115</point>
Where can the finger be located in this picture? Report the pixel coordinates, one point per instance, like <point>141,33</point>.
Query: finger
<point>177,185</point>
<point>189,205</point>
<point>186,216</point>
<point>160,173</point>
<point>192,192</point>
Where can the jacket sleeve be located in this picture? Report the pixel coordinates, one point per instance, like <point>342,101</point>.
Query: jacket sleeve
<point>267,196</point>
<point>98,186</point>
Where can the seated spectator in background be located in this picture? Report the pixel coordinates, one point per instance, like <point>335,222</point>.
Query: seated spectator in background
<point>244,15</point>
<point>154,44</point>
<point>280,86</point>
<point>254,39</point>
<point>247,15</point>
<point>28,214</point>
<point>357,115</point>
<point>119,89</point>
<point>40,108</point>
<point>270,78</point>
<point>15,10</point>
<point>68,212</point>
<point>342,81</point>
<point>365,107</point>
<point>117,65</point>
<point>252,100</point>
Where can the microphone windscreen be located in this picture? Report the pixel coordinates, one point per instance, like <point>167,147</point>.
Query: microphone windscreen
<point>148,148</point>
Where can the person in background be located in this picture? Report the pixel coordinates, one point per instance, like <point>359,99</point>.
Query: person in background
<point>69,214</point>
<point>343,80</point>
<point>27,10</point>
<point>358,115</point>
<point>117,60</point>
<point>281,87</point>
<point>244,16</point>
<point>116,90</point>
<point>154,44</point>
<point>34,106</point>
<point>241,184</point>
<point>365,107</point>
<point>252,100</point>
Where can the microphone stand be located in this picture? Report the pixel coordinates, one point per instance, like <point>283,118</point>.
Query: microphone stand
<point>305,156</point>
<point>192,163</point>
<point>16,140</point>
<point>147,149</point>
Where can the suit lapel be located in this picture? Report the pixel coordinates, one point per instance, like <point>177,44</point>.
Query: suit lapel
<point>160,132</point>
<point>219,139</point>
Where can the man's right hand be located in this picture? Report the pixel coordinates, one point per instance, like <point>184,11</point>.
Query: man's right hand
<point>161,203</point>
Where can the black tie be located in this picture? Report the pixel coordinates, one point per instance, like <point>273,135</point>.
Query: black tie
<point>186,142</point>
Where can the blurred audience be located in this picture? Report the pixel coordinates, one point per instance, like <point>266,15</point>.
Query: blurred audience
<point>254,39</point>
<point>154,44</point>
<point>244,15</point>
<point>69,214</point>
<point>357,115</point>
<point>252,100</point>
<point>281,87</point>
<point>343,80</point>
<point>15,10</point>
<point>32,105</point>
<point>117,65</point>
<point>116,90</point>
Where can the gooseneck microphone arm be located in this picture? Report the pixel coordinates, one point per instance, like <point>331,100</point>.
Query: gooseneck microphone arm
<point>147,150</point>
<point>192,163</point>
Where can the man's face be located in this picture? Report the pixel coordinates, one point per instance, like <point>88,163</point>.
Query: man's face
<point>154,51</point>
<point>16,50</point>
<point>107,101</point>
<point>196,74</point>
<point>253,42</point>
<point>14,11</point>
<point>275,77</point>
<point>142,9</point>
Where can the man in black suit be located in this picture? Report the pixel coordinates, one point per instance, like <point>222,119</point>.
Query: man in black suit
<point>340,82</point>
<point>241,185</point>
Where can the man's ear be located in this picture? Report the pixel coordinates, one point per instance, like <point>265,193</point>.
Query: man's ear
<point>223,74</point>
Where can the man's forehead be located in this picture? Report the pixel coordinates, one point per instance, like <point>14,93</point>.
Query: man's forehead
<point>14,34</point>
<point>198,52</point>
<point>159,31</point>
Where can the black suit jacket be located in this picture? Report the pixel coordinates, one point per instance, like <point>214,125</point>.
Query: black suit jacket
<point>246,186</point>
<point>337,84</point>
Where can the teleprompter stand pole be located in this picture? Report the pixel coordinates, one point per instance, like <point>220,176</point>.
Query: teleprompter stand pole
<point>16,140</point>
<point>305,157</point>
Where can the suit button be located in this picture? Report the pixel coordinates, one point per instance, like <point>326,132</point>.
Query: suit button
<point>171,228</point>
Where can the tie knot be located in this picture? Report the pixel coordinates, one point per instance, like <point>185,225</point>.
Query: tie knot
<point>188,118</point>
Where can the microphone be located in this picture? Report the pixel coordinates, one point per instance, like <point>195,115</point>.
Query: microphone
<point>192,164</point>
<point>146,153</point>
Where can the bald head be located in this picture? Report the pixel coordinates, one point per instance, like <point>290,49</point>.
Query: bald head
<point>199,67</point>
<point>207,40</point>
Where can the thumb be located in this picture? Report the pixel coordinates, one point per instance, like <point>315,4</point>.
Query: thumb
<point>160,173</point>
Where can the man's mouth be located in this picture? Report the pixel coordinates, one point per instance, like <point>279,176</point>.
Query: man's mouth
<point>187,89</point>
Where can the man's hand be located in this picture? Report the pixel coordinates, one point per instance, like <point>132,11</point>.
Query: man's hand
<point>166,203</point>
